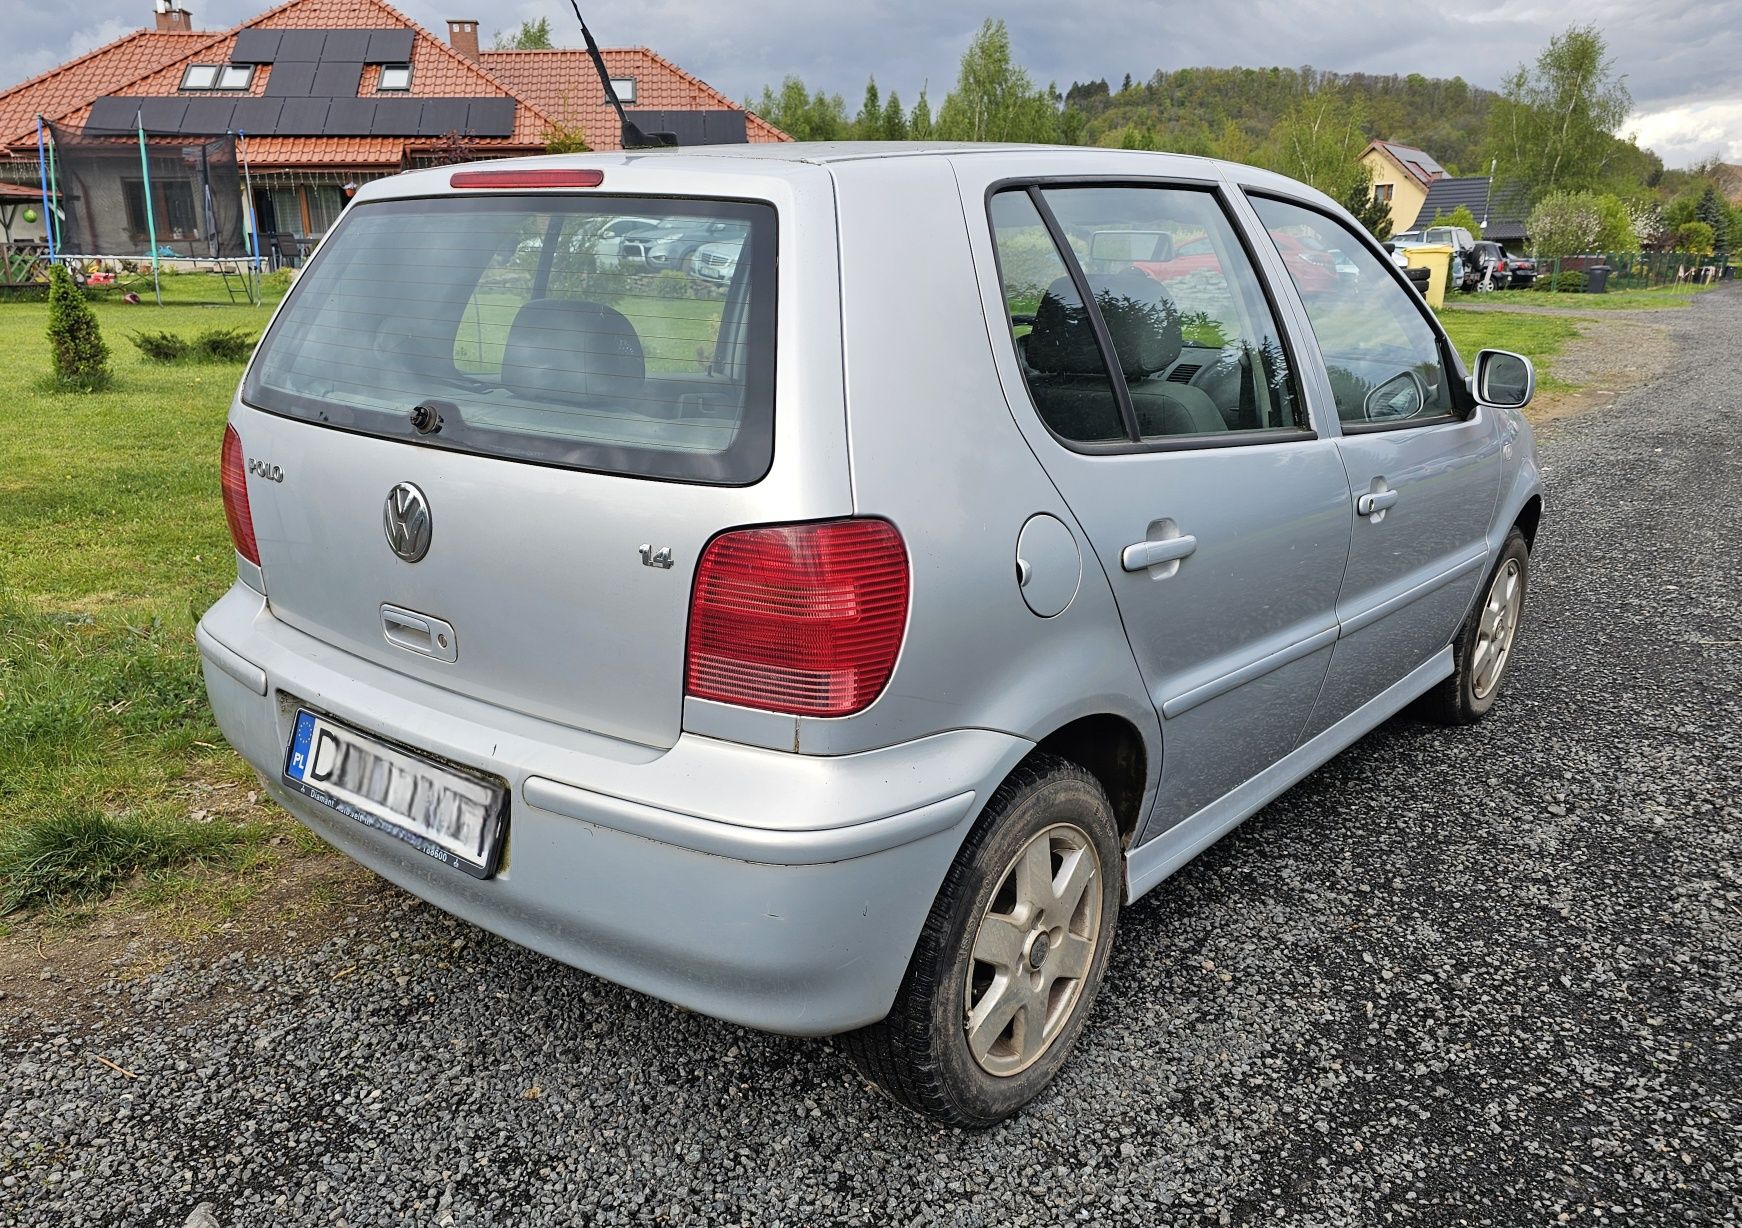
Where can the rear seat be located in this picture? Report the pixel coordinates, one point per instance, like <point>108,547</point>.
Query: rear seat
<point>1070,384</point>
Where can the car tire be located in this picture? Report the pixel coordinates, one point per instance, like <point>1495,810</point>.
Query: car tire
<point>927,1054</point>
<point>1484,647</point>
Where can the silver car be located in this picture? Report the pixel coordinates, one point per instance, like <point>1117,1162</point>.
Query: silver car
<point>839,647</point>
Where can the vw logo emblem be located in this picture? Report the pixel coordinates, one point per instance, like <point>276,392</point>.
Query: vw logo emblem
<point>406,519</point>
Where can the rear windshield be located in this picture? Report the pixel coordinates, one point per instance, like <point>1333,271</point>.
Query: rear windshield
<point>631,336</point>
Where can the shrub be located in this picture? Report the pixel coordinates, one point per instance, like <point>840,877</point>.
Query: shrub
<point>160,346</point>
<point>223,345</point>
<point>1565,224</point>
<point>211,345</point>
<point>669,283</point>
<point>1461,216</point>
<point>80,358</point>
<point>1568,281</point>
<point>1694,238</point>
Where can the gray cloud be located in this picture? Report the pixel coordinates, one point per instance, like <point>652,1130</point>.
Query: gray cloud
<point>1673,52</point>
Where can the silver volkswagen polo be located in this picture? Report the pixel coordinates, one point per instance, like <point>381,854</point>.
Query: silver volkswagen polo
<point>837,645</point>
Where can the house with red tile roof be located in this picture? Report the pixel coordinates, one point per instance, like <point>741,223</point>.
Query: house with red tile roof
<point>324,93</point>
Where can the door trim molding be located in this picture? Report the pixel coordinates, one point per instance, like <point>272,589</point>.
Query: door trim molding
<point>1203,692</point>
<point>1415,592</point>
<point>1151,862</point>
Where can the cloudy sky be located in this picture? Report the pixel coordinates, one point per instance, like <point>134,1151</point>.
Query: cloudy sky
<point>1682,58</point>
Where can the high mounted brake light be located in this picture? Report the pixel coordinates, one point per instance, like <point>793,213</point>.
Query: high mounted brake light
<point>551,178</point>
<point>803,618</point>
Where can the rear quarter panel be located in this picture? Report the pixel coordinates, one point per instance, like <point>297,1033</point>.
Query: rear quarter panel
<point>934,449</point>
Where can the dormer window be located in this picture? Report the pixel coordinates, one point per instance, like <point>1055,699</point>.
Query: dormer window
<point>217,77</point>
<point>624,88</point>
<point>395,77</point>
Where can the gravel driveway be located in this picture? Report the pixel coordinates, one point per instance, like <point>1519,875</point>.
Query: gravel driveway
<point>1482,977</point>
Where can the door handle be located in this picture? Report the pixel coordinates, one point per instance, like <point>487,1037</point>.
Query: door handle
<point>420,633</point>
<point>1140,556</point>
<point>1375,501</point>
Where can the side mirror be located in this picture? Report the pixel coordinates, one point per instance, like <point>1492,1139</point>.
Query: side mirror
<point>1401,396</point>
<point>1504,379</point>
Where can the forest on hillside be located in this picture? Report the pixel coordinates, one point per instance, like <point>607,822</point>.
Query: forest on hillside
<point>1189,110</point>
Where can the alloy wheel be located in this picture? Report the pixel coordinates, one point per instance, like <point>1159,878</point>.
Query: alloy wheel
<point>1033,949</point>
<point>1496,629</point>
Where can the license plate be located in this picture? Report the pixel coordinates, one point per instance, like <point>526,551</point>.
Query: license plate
<point>453,815</point>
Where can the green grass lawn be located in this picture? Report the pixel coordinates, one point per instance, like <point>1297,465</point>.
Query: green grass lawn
<point>1539,338</point>
<point>110,764</point>
<point>1616,300</point>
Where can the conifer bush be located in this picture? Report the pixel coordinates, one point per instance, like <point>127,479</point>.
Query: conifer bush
<point>80,357</point>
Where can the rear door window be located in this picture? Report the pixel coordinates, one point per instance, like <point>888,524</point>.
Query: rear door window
<point>630,336</point>
<point>1179,343</point>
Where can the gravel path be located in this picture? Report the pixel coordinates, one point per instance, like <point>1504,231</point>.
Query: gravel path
<point>1483,977</point>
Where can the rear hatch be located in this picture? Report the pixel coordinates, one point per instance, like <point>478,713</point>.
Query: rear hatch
<point>493,450</point>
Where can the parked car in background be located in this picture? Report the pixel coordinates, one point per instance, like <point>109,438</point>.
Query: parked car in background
<point>718,261</point>
<point>670,245</point>
<point>608,241</point>
<point>1316,270</point>
<point>803,651</point>
<point>1503,269</point>
<point>1466,270</point>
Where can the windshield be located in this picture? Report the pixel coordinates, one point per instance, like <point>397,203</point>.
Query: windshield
<point>527,330</point>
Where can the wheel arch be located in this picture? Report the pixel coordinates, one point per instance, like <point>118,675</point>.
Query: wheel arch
<point>1111,749</point>
<point>1528,518</point>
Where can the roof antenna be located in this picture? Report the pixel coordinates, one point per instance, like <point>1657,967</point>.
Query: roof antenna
<point>633,136</point>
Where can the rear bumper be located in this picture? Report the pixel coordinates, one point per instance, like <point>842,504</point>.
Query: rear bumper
<point>780,891</point>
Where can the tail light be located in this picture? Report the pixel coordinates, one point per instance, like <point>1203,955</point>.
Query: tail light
<point>1500,265</point>
<point>235,479</point>
<point>804,618</point>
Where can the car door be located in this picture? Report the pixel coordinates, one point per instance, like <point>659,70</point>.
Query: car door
<point>1145,365</point>
<point>1423,462</point>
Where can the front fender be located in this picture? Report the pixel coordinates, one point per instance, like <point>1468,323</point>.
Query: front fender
<point>1521,481</point>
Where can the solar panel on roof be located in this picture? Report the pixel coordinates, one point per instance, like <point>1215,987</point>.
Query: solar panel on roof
<point>162,114</point>
<point>441,116</point>
<point>346,45</point>
<point>388,47</point>
<point>396,117</point>
<point>255,47</point>
<point>350,117</point>
<point>723,128</point>
<point>690,127</point>
<point>490,116</point>
<point>257,116</point>
<point>303,45</point>
<point>303,117</point>
<point>337,79</point>
<point>290,79</point>
<point>111,113</point>
<point>208,115</point>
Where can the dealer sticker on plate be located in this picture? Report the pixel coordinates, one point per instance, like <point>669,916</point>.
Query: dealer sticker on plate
<point>453,815</point>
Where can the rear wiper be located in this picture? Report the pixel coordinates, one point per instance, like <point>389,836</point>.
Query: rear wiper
<point>429,416</point>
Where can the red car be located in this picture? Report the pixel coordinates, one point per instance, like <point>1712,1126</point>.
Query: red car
<point>1314,268</point>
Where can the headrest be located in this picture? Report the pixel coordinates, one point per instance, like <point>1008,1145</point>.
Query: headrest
<point>1140,315</point>
<point>573,349</point>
